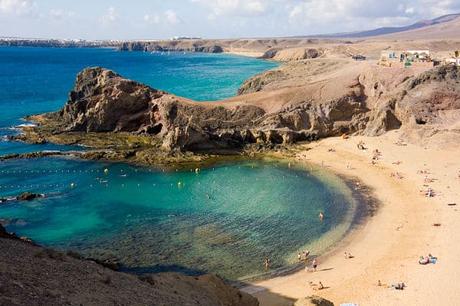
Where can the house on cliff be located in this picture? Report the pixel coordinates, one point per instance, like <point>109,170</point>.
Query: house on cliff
<point>406,58</point>
<point>455,59</point>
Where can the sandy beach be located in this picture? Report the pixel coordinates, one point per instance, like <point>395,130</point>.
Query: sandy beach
<point>388,246</point>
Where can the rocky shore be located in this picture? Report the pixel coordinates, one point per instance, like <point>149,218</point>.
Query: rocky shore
<point>120,119</point>
<point>33,275</point>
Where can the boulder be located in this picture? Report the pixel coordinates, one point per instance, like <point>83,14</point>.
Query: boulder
<point>28,196</point>
<point>313,301</point>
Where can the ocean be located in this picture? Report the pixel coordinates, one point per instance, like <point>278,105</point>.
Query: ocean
<point>225,219</point>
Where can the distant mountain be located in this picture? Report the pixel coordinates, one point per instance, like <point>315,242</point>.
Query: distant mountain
<point>393,30</point>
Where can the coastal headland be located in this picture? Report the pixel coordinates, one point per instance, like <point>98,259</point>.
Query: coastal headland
<point>395,129</point>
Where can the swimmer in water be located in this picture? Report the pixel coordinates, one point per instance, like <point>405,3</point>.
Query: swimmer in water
<point>321,216</point>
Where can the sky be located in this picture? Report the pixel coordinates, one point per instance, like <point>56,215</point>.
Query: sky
<point>155,19</point>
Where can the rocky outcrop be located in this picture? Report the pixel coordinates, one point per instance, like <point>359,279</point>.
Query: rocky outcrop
<point>258,82</point>
<point>56,43</point>
<point>33,275</point>
<point>427,98</point>
<point>173,46</point>
<point>292,54</point>
<point>103,101</point>
<point>313,301</point>
<point>28,196</point>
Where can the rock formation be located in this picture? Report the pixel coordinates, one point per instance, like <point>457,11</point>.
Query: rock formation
<point>28,196</point>
<point>367,102</point>
<point>103,101</point>
<point>32,275</point>
<point>313,301</point>
<point>173,46</point>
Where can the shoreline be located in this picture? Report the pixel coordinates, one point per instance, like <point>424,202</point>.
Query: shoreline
<point>384,247</point>
<point>357,214</point>
<point>365,206</point>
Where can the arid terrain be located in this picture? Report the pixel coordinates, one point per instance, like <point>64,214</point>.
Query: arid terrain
<point>395,129</point>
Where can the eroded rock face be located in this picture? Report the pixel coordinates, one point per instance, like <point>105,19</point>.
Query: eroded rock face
<point>429,96</point>
<point>174,46</point>
<point>103,101</point>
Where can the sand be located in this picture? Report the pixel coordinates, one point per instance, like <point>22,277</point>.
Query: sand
<point>388,246</point>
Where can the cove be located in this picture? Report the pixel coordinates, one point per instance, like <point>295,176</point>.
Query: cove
<point>224,219</point>
<point>38,80</point>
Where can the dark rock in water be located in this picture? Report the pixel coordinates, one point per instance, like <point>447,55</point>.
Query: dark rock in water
<point>28,196</point>
<point>17,222</point>
<point>5,234</point>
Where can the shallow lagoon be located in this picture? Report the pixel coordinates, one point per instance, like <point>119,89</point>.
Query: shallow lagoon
<point>224,219</point>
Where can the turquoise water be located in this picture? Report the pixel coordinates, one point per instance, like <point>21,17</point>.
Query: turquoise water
<point>37,80</point>
<point>223,220</point>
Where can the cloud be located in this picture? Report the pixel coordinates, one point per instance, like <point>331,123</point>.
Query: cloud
<point>234,7</point>
<point>18,7</point>
<point>110,16</point>
<point>171,17</point>
<point>168,17</point>
<point>152,19</point>
<point>60,14</point>
<point>356,14</point>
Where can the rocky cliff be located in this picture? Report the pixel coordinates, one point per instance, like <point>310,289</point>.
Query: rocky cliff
<point>33,275</point>
<point>369,102</point>
<point>103,101</point>
<point>173,46</point>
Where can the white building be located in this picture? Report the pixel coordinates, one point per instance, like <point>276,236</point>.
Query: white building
<point>455,61</point>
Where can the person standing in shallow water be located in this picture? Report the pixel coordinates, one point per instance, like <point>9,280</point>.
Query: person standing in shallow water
<point>267,263</point>
<point>321,216</point>
<point>314,265</point>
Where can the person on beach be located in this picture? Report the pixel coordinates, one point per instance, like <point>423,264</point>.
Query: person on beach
<point>429,193</point>
<point>305,255</point>
<point>399,286</point>
<point>314,265</point>
<point>299,257</point>
<point>318,286</point>
<point>267,263</point>
<point>321,216</point>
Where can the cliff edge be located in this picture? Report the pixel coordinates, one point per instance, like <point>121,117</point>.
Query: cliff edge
<point>33,275</point>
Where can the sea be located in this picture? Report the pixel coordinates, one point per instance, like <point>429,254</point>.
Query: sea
<point>224,219</point>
